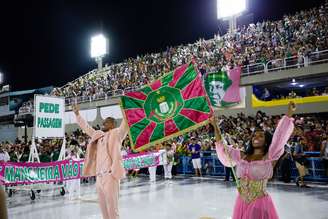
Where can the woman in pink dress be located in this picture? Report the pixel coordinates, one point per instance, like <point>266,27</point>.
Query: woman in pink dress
<point>255,167</point>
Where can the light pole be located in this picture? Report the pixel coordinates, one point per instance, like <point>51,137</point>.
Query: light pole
<point>1,78</point>
<point>99,48</point>
<point>230,10</point>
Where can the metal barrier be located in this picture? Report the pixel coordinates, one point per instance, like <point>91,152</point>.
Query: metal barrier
<point>253,69</point>
<point>274,65</point>
<point>212,166</point>
<point>286,63</point>
<point>105,96</point>
<point>318,57</point>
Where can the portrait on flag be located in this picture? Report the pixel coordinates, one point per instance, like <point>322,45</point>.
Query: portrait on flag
<point>222,87</point>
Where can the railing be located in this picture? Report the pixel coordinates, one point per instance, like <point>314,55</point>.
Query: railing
<point>286,63</point>
<point>212,166</point>
<point>104,96</point>
<point>318,57</point>
<point>253,69</point>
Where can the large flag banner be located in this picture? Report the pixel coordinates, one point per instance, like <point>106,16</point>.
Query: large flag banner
<point>170,106</point>
<point>223,87</point>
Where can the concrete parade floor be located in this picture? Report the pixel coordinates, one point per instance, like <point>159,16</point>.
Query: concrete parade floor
<point>181,198</point>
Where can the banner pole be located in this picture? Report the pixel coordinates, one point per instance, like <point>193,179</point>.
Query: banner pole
<point>62,150</point>
<point>33,150</point>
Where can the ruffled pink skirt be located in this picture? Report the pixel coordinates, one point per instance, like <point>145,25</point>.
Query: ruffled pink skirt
<point>261,208</point>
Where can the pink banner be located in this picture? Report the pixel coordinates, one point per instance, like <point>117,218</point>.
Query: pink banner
<point>59,171</point>
<point>29,173</point>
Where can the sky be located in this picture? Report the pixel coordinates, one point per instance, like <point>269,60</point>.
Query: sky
<point>47,43</point>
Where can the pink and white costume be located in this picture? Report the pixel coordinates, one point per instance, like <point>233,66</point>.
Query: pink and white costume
<point>253,202</point>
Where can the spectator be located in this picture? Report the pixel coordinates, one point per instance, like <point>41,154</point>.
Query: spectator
<point>4,156</point>
<point>325,93</point>
<point>314,92</point>
<point>301,163</point>
<point>286,161</point>
<point>292,95</point>
<point>324,153</point>
<point>195,148</point>
<point>266,94</point>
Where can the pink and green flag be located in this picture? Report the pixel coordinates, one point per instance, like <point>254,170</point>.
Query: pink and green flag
<point>170,106</point>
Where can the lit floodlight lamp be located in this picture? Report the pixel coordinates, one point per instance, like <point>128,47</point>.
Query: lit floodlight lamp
<point>98,46</point>
<point>1,78</point>
<point>230,8</point>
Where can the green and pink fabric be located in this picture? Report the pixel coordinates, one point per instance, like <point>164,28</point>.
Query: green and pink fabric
<point>170,106</point>
<point>223,87</point>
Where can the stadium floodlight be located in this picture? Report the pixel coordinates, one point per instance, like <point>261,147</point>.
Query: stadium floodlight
<point>1,78</point>
<point>229,8</point>
<point>98,46</point>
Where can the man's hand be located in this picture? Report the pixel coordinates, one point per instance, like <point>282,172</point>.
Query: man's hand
<point>212,120</point>
<point>76,109</point>
<point>291,109</point>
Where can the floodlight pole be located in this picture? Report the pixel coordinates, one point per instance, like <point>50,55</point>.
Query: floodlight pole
<point>1,78</point>
<point>232,23</point>
<point>99,62</point>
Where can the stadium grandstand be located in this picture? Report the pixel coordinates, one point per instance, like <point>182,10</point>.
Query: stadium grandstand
<point>281,61</point>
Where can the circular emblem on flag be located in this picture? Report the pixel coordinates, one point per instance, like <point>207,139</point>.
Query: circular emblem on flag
<point>163,104</point>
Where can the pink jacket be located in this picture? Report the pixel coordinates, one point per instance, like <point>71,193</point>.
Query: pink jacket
<point>114,139</point>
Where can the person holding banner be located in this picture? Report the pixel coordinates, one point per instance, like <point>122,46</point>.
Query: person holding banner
<point>255,167</point>
<point>73,185</point>
<point>152,169</point>
<point>103,159</point>
<point>3,207</point>
<point>169,161</point>
<point>4,157</point>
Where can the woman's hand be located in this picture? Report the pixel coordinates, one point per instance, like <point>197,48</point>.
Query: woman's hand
<point>291,109</point>
<point>217,131</point>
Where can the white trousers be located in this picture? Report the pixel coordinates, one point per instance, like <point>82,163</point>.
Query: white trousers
<point>168,170</point>
<point>73,187</point>
<point>152,173</point>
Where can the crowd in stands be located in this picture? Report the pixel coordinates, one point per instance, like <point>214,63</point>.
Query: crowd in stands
<point>268,94</point>
<point>310,134</point>
<point>237,131</point>
<point>294,35</point>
